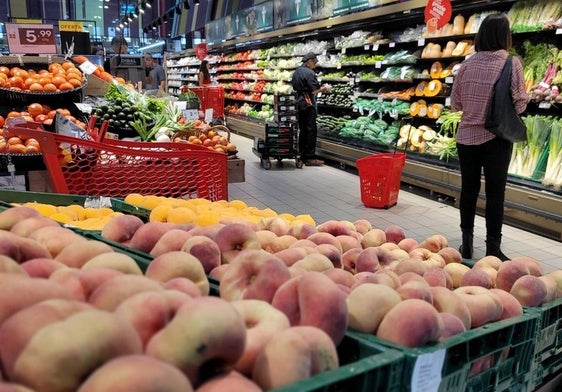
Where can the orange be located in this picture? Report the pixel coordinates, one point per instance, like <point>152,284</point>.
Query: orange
<point>36,87</point>
<point>64,112</point>
<point>4,69</point>
<point>106,76</point>
<point>35,108</point>
<point>68,64</point>
<point>66,86</point>
<point>40,118</point>
<point>51,114</point>
<point>53,67</point>
<point>75,82</point>
<point>16,81</point>
<point>28,82</point>
<point>15,140</point>
<point>73,71</point>
<point>2,121</point>
<point>32,148</point>
<point>17,148</point>
<point>13,114</point>
<point>3,82</point>
<point>46,109</point>
<point>43,80</point>
<point>120,80</point>
<point>21,73</point>
<point>13,70</point>
<point>58,79</point>
<point>49,87</point>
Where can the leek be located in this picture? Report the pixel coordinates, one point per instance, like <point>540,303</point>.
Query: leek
<point>537,138</point>
<point>553,173</point>
<point>520,153</point>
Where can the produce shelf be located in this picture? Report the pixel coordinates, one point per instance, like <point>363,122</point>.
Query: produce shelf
<point>547,358</point>
<point>364,366</point>
<point>494,357</point>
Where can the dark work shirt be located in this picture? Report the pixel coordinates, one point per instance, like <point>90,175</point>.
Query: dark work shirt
<point>304,81</point>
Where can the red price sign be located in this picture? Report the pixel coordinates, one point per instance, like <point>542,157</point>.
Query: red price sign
<point>201,51</point>
<point>31,38</point>
<point>437,14</point>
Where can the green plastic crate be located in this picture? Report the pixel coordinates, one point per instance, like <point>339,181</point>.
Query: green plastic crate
<point>508,344</point>
<point>547,358</point>
<point>7,197</point>
<point>364,367</point>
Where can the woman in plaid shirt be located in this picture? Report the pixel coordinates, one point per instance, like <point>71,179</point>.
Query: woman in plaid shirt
<point>477,148</point>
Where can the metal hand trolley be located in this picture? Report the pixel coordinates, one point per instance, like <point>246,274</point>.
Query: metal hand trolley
<point>281,142</point>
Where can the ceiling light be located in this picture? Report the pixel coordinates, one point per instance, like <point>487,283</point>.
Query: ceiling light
<point>149,3</point>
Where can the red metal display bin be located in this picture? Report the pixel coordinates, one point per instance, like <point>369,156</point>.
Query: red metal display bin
<point>380,176</point>
<point>117,168</point>
<point>211,97</point>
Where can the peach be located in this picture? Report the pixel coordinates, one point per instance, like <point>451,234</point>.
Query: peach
<point>140,373</point>
<point>336,228</point>
<point>10,216</point>
<point>121,228</point>
<point>116,260</point>
<point>447,301</point>
<point>208,231</point>
<point>304,243</point>
<point>450,255</point>
<point>275,224</point>
<point>557,275</point>
<point>19,291</point>
<point>41,268</point>
<point>233,238</point>
<point>452,325</point>
<point>147,235</point>
<point>349,259</point>
<point>488,261</point>
<point>60,355</point>
<point>92,278</point>
<point>367,260</point>
<point>411,265</point>
<point>70,279</point>
<point>218,271</point>
<point>263,322</point>
<point>175,264</point>
<point>205,250</point>
<point>511,306</point>
<point>9,265</point>
<point>13,387</point>
<point>416,289</point>
<point>292,355</point>
<point>408,244</point>
<point>25,227</point>
<point>368,303</point>
<point>149,311</point>
<point>408,276</point>
<point>431,259</point>
<point>456,272</point>
<point>171,241</point>
<point>438,277</point>
<point>55,238</point>
<point>280,243</point>
<point>348,242</point>
<point>301,230</point>
<point>411,323</point>
<point>340,276</point>
<point>362,225</point>
<point>21,249</point>
<point>231,381</point>
<point>253,274</point>
<point>534,266</point>
<point>112,292</point>
<point>291,255</point>
<point>433,243</point>
<point>529,290</point>
<point>18,330</point>
<point>476,277</point>
<point>76,254</point>
<point>265,237</point>
<point>509,271</point>
<point>387,277</point>
<point>395,233</point>
<point>183,285</point>
<point>331,252</point>
<point>313,299</point>
<point>484,306</point>
<point>373,237</point>
<point>324,238</point>
<point>215,339</point>
<point>314,262</point>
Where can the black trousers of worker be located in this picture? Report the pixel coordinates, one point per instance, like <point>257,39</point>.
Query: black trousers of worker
<point>494,157</point>
<point>308,132</point>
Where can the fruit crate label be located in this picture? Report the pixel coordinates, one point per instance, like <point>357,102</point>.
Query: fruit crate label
<point>426,376</point>
<point>546,337</point>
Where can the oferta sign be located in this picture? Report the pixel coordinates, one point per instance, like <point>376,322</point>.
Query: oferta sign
<point>71,25</point>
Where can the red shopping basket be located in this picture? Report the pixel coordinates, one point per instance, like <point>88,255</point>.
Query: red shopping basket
<point>211,97</point>
<point>379,177</point>
<point>117,168</point>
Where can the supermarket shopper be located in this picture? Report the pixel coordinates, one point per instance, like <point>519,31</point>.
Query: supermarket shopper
<point>155,76</point>
<point>479,149</point>
<point>204,75</point>
<point>306,86</point>
<point>119,46</point>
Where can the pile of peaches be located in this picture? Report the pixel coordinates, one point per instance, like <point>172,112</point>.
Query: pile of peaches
<point>288,290</point>
<point>56,77</point>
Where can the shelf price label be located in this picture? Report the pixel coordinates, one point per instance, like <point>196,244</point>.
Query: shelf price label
<point>31,38</point>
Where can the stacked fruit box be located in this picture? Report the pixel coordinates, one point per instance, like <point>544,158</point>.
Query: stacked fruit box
<point>494,357</point>
<point>547,357</point>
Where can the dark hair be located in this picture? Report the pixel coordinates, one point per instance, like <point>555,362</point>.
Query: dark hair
<point>493,34</point>
<point>118,41</point>
<point>203,68</point>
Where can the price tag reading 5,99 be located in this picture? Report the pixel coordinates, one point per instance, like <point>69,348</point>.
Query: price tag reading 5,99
<point>36,36</point>
<point>31,38</point>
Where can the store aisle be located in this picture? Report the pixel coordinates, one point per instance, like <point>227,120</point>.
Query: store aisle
<point>331,193</point>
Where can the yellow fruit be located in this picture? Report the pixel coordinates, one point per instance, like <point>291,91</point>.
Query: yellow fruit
<point>92,212</point>
<point>160,213</point>
<point>207,218</point>
<point>305,218</point>
<point>90,223</point>
<point>150,201</point>
<point>239,204</point>
<point>43,209</point>
<point>79,210</point>
<point>70,212</point>
<point>181,215</point>
<point>288,217</point>
<point>134,199</point>
<point>61,217</point>
<point>104,211</point>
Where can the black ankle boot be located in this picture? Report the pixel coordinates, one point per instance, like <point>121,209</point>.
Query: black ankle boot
<point>493,248</point>
<point>466,249</point>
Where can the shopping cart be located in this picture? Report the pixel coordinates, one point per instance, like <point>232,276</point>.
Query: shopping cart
<point>211,97</point>
<point>117,168</point>
<point>379,177</point>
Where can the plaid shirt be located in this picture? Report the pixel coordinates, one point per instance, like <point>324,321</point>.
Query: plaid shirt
<point>472,89</point>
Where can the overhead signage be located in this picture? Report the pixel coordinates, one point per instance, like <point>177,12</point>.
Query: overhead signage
<point>31,38</point>
<point>71,25</point>
<point>437,14</point>
<point>201,51</point>
<point>347,6</point>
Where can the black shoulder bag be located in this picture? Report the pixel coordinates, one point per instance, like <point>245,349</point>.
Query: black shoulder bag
<point>502,119</point>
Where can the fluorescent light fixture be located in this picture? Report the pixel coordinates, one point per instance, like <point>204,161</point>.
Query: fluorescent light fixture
<point>152,46</point>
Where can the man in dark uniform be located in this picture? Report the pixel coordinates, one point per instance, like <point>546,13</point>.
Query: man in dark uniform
<point>306,86</point>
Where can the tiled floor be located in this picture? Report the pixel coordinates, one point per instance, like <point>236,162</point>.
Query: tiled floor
<point>331,193</point>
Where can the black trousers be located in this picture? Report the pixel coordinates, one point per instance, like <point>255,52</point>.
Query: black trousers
<point>493,158</point>
<point>308,132</point>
